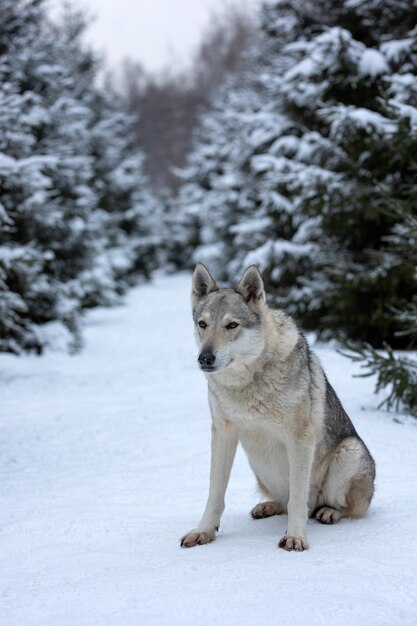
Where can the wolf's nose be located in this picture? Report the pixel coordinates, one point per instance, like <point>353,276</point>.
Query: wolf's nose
<point>206,359</point>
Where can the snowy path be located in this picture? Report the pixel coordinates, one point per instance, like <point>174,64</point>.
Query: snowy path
<point>104,461</point>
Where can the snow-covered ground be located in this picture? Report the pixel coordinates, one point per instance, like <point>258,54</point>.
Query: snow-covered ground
<point>104,462</point>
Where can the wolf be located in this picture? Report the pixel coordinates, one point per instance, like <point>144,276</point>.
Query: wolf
<point>268,391</point>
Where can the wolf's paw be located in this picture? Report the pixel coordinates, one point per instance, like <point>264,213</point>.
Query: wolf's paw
<point>293,543</point>
<point>198,537</point>
<point>266,509</point>
<point>327,515</point>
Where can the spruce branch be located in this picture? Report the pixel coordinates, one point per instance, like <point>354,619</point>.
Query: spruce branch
<point>397,372</point>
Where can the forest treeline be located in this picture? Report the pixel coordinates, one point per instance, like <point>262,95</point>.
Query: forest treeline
<point>289,143</point>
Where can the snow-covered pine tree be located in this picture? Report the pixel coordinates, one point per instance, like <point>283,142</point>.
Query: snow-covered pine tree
<point>222,207</point>
<point>213,195</point>
<point>338,114</point>
<point>354,86</point>
<point>332,213</point>
<point>63,199</point>
<point>25,289</point>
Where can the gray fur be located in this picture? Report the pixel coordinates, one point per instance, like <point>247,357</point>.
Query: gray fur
<point>338,423</point>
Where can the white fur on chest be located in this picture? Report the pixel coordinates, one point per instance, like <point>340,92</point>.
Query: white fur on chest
<point>260,405</point>
<point>261,426</point>
<point>266,450</point>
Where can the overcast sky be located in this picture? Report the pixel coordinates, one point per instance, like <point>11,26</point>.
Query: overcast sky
<point>155,32</point>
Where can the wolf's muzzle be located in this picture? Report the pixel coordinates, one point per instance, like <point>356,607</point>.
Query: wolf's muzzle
<point>206,361</point>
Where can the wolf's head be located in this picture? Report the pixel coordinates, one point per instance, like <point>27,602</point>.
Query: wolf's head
<point>228,321</point>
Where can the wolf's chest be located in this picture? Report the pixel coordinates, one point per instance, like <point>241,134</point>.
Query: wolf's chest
<point>254,408</point>
<point>261,417</point>
<point>261,425</point>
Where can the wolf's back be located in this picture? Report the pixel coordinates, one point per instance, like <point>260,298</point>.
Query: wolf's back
<point>338,423</point>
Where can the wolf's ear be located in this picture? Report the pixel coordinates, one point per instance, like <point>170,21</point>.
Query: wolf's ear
<point>203,283</point>
<point>251,285</point>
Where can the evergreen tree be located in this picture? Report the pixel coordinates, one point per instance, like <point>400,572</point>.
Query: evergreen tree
<point>222,204</point>
<point>325,203</point>
<point>72,194</point>
<point>213,196</point>
<point>338,112</point>
<point>356,98</point>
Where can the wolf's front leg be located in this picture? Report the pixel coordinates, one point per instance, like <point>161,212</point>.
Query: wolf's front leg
<point>223,449</point>
<point>300,456</point>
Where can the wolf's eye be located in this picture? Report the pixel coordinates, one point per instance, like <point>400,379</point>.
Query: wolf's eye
<point>202,324</point>
<point>232,325</point>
